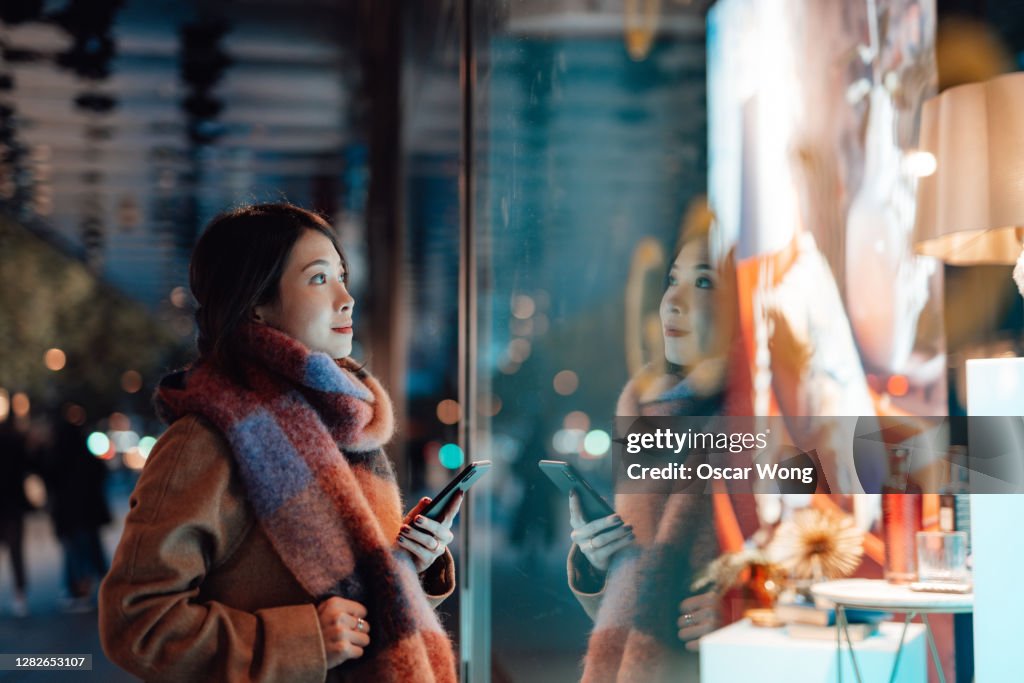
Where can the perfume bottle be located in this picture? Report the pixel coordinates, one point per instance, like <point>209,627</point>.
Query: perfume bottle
<point>901,519</point>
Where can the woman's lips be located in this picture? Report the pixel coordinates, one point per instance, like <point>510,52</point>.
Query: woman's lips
<point>342,330</point>
<point>672,332</point>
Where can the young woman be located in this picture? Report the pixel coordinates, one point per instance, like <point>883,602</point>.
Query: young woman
<point>265,539</point>
<point>634,579</point>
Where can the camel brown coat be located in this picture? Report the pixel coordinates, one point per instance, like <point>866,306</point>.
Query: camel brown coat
<point>197,593</point>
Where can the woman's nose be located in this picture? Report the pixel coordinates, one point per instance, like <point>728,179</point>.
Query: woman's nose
<point>343,300</point>
<point>677,301</point>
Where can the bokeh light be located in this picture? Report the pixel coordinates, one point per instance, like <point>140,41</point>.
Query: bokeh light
<point>5,404</point>
<point>131,381</point>
<point>566,382</point>
<point>179,297</point>
<point>55,359</point>
<point>451,456</point>
<point>898,385</point>
<point>134,459</point>
<point>597,442</point>
<point>98,444</point>
<point>566,441</point>
<point>577,419</point>
<point>20,405</point>
<point>124,441</point>
<point>523,306</point>
<point>146,444</point>
<point>119,422</point>
<point>448,411</point>
<point>919,163</point>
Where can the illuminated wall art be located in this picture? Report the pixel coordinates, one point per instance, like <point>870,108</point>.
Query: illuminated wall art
<point>813,114</point>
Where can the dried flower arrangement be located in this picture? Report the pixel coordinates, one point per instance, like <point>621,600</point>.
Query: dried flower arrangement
<point>817,544</point>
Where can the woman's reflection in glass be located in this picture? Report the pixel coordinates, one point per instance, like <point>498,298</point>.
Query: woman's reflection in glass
<point>632,571</point>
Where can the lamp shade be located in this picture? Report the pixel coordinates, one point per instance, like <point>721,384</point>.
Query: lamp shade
<point>971,209</point>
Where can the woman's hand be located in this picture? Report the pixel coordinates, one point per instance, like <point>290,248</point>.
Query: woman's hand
<point>698,616</point>
<point>344,628</point>
<point>598,547</point>
<point>424,539</point>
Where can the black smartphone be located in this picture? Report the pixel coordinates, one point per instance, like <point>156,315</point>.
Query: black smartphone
<point>462,481</point>
<point>568,479</point>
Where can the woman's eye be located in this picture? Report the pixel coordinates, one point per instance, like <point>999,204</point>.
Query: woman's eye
<point>704,282</point>
<point>672,281</point>
<point>343,278</point>
<point>319,279</point>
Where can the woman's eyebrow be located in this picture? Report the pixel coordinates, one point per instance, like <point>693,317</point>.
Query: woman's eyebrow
<point>318,262</point>
<point>703,266</point>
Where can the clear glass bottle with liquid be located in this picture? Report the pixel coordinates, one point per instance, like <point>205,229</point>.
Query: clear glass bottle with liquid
<point>901,519</point>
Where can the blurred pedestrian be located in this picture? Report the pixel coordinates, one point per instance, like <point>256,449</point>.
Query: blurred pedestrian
<point>75,485</point>
<point>13,506</point>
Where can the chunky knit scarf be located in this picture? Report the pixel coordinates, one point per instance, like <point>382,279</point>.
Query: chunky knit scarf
<point>635,634</point>
<point>307,436</point>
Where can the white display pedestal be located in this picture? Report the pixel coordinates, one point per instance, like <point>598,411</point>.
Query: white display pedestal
<point>742,652</point>
<point>996,387</point>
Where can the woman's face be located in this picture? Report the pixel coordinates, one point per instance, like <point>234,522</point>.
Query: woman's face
<point>687,307</point>
<point>312,303</point>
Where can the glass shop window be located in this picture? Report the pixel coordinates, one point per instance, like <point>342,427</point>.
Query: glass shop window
<point>676,211</point>
<point>589,148</point>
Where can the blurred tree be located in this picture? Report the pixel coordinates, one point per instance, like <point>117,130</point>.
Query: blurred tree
<point>48,300</point>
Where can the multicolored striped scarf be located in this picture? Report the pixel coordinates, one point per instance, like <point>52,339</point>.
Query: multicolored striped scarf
<point>635,637</point>
<point>307,434</point>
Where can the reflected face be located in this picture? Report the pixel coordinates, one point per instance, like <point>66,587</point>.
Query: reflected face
<point>687,307</point>
<point>313,305</point>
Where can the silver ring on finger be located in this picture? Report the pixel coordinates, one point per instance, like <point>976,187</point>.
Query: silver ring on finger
<point>360,624</point>
<point>688,619</point>
<point>437,544</point>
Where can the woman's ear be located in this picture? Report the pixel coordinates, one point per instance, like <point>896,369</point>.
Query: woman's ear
<point>266,313</point>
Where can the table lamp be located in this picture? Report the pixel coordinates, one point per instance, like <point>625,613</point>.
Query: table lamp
<point>970,211</point>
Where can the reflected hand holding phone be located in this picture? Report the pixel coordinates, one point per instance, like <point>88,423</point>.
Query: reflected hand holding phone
<point>596,529</point>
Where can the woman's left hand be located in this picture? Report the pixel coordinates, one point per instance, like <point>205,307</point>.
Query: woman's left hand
<point>424,539</point>
<point>698,616</point>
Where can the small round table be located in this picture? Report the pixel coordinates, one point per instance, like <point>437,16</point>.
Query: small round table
<point>882,595</point>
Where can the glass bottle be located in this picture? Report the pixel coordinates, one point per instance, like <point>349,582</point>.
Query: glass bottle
<point>947,503</point>
<point>901,519</point>
<point>954,503</point>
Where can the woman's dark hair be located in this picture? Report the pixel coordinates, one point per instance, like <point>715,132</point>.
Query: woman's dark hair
<point>236,265</point>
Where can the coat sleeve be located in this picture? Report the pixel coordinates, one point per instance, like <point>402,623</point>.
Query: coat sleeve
<point>438,580</point>
<point>585,582</point>
<point>188,515</point>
